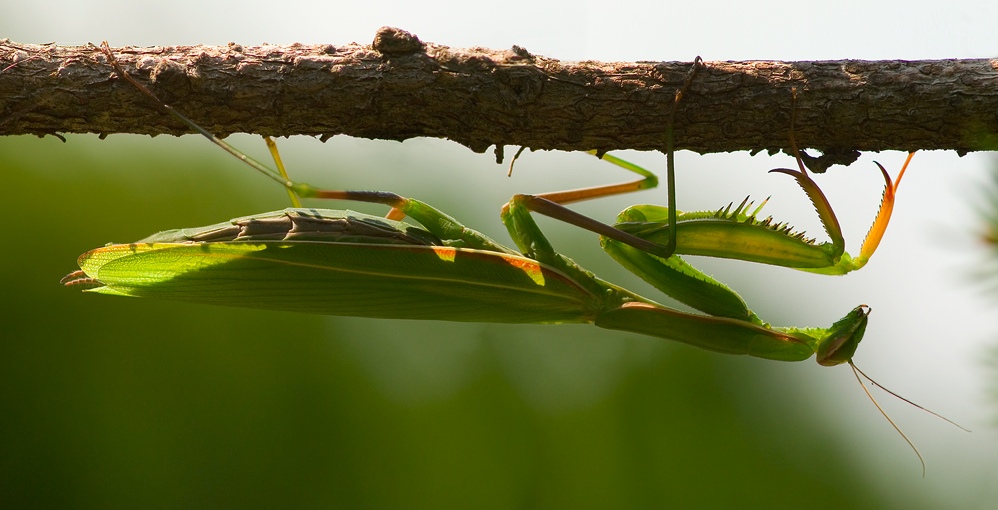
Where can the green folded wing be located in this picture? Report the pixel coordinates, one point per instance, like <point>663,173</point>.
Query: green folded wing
<point>350,279</point>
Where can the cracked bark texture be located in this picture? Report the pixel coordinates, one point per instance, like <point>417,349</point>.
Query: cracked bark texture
<point>400,87</point>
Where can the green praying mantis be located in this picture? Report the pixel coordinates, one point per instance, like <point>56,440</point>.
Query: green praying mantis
<point>351,264</point>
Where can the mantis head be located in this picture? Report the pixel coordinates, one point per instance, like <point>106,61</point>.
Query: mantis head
<point>843,338</point>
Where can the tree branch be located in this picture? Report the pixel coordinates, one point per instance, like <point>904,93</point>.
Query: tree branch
<point>400,87</point>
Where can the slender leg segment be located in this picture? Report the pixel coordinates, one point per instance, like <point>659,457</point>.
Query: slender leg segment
<point>295,201</point>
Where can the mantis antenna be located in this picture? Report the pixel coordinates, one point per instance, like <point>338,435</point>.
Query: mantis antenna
<point>857,372</point>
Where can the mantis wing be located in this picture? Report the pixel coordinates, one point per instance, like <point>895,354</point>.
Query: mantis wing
<point>336,263</point>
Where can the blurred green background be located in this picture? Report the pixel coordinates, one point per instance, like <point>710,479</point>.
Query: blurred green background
<point>125,403</point>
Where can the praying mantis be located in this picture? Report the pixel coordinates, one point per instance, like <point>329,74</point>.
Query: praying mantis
<point>351,264</point>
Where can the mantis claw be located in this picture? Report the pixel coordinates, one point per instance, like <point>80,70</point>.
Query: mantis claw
<point>879,226</point>
<point>821,206</point>
<point>845,263</point>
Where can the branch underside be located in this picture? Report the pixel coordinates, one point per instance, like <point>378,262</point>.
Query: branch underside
<point>400,87</point>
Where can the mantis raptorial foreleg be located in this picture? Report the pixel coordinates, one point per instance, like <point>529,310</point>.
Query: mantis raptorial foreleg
<point>737,233</point>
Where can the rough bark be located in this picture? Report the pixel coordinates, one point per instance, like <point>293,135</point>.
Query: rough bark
<point>400,87</point>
